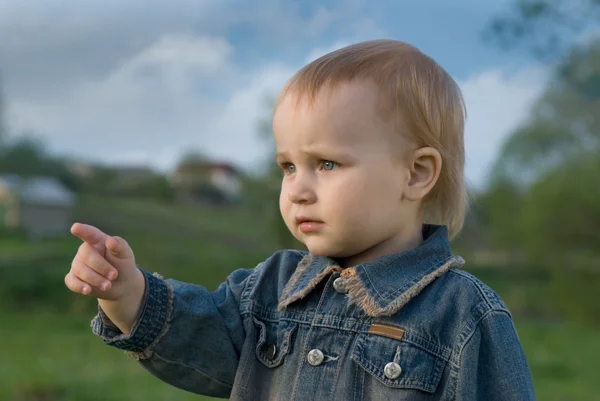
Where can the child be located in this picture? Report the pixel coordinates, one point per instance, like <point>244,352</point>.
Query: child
<point>370,142</point>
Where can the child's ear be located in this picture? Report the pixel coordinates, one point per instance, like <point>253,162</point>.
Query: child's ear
<point>424,168</point>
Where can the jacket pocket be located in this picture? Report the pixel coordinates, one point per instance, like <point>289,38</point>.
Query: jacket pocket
<point>398,364</point>
<point>274,341</point>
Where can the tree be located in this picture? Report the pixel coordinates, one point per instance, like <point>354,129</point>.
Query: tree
<point>551,164</point>
<point>3,123</point>
<point>561,213</point>
<point>560,219</point>
<point>193,157</point>
<point>546,162</point>
<point>500,210</point>
<point>547,28</point>
<point>564,123</point>
<point>27,157</point>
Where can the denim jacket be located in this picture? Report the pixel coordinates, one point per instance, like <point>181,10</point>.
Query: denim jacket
<point>408,326</point>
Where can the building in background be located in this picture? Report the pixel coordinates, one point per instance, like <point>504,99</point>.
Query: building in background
<point>200,181</point>
<point>38,206</point>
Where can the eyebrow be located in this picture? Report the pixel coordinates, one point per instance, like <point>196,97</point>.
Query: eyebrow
<point>315,153</point>
<point>281,156</point>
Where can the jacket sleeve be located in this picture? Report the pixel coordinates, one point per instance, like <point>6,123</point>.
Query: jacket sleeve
<point>493,366</point>
<point>185,335</point>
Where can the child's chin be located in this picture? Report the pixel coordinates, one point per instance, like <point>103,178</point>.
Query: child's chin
<point>316,249</point>
<point>322,250</point>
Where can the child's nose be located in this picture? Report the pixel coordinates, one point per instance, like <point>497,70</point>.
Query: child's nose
<point>301,192</point>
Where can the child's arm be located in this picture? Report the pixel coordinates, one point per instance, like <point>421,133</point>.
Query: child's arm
<point>181,333</point>
<point>186,336</point>
<point>492,362</point>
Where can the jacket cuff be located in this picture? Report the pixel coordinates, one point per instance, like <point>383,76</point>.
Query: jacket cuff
<point>155,309</point>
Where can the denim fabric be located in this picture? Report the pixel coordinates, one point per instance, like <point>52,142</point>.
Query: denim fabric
<point>409,326</point>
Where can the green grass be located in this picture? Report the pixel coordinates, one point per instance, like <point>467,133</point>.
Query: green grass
<point>53,356</point>
<point>563,360</point>
<point>237,224</point>
<point>56,357</point>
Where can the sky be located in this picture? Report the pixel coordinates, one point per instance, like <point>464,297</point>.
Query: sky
<point>143,82</point>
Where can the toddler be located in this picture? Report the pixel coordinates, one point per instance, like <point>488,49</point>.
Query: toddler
<point>370,142</point>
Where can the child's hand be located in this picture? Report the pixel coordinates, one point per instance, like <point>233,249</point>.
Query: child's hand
<point>103,265</point>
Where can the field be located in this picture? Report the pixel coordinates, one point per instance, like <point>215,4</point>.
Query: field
<point>48,352</point>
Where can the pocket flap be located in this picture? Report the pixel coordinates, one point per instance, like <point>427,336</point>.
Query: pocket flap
<point>419,368</point>
<point>274,341</point>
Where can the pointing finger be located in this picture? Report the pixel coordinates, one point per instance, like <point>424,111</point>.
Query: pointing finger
<point>89,234</point>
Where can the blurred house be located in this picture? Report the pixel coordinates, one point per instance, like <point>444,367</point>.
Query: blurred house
<point>80,169</point>
<point>200,181</point>
<point>125,176</point>
<point>39,206</point>
<point>133,175</point>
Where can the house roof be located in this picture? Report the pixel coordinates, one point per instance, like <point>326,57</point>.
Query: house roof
<point>44,190</point>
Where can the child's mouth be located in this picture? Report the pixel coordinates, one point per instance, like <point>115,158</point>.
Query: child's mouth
<point>307,225</point>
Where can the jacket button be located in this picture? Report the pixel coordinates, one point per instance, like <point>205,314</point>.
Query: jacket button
<point>392,370</point>
<point>271,351</point>
<point>339,284</point>
<point>315,357</point>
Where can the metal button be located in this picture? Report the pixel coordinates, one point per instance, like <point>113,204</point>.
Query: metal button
<point>271,351</point>
<point>340,285</point>
<point>392,370</point>
<point>315,357</point>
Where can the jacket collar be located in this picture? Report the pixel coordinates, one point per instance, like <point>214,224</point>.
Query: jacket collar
<point>380,287</point>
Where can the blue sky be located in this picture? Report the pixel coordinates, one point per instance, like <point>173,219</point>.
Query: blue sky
<point>140,82</point>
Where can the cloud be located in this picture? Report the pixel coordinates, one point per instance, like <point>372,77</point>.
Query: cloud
<point>195,76</point>
<point>165,100</point>
<point>152,100</point>
<point>159,103</point>
<point>95,85</point>
<point>497,103</point>
<point>46,45</point>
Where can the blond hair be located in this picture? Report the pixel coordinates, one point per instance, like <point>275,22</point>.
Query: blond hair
<point>422,96</point>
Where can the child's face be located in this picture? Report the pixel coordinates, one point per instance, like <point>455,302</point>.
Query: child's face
<point>342,173</point>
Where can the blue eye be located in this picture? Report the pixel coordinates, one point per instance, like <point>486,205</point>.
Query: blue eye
<point>329,165</point>
<point>289,168</point>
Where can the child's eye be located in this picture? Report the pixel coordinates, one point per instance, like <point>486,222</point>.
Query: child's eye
<point>288,168</point>
<point>329,165</point>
